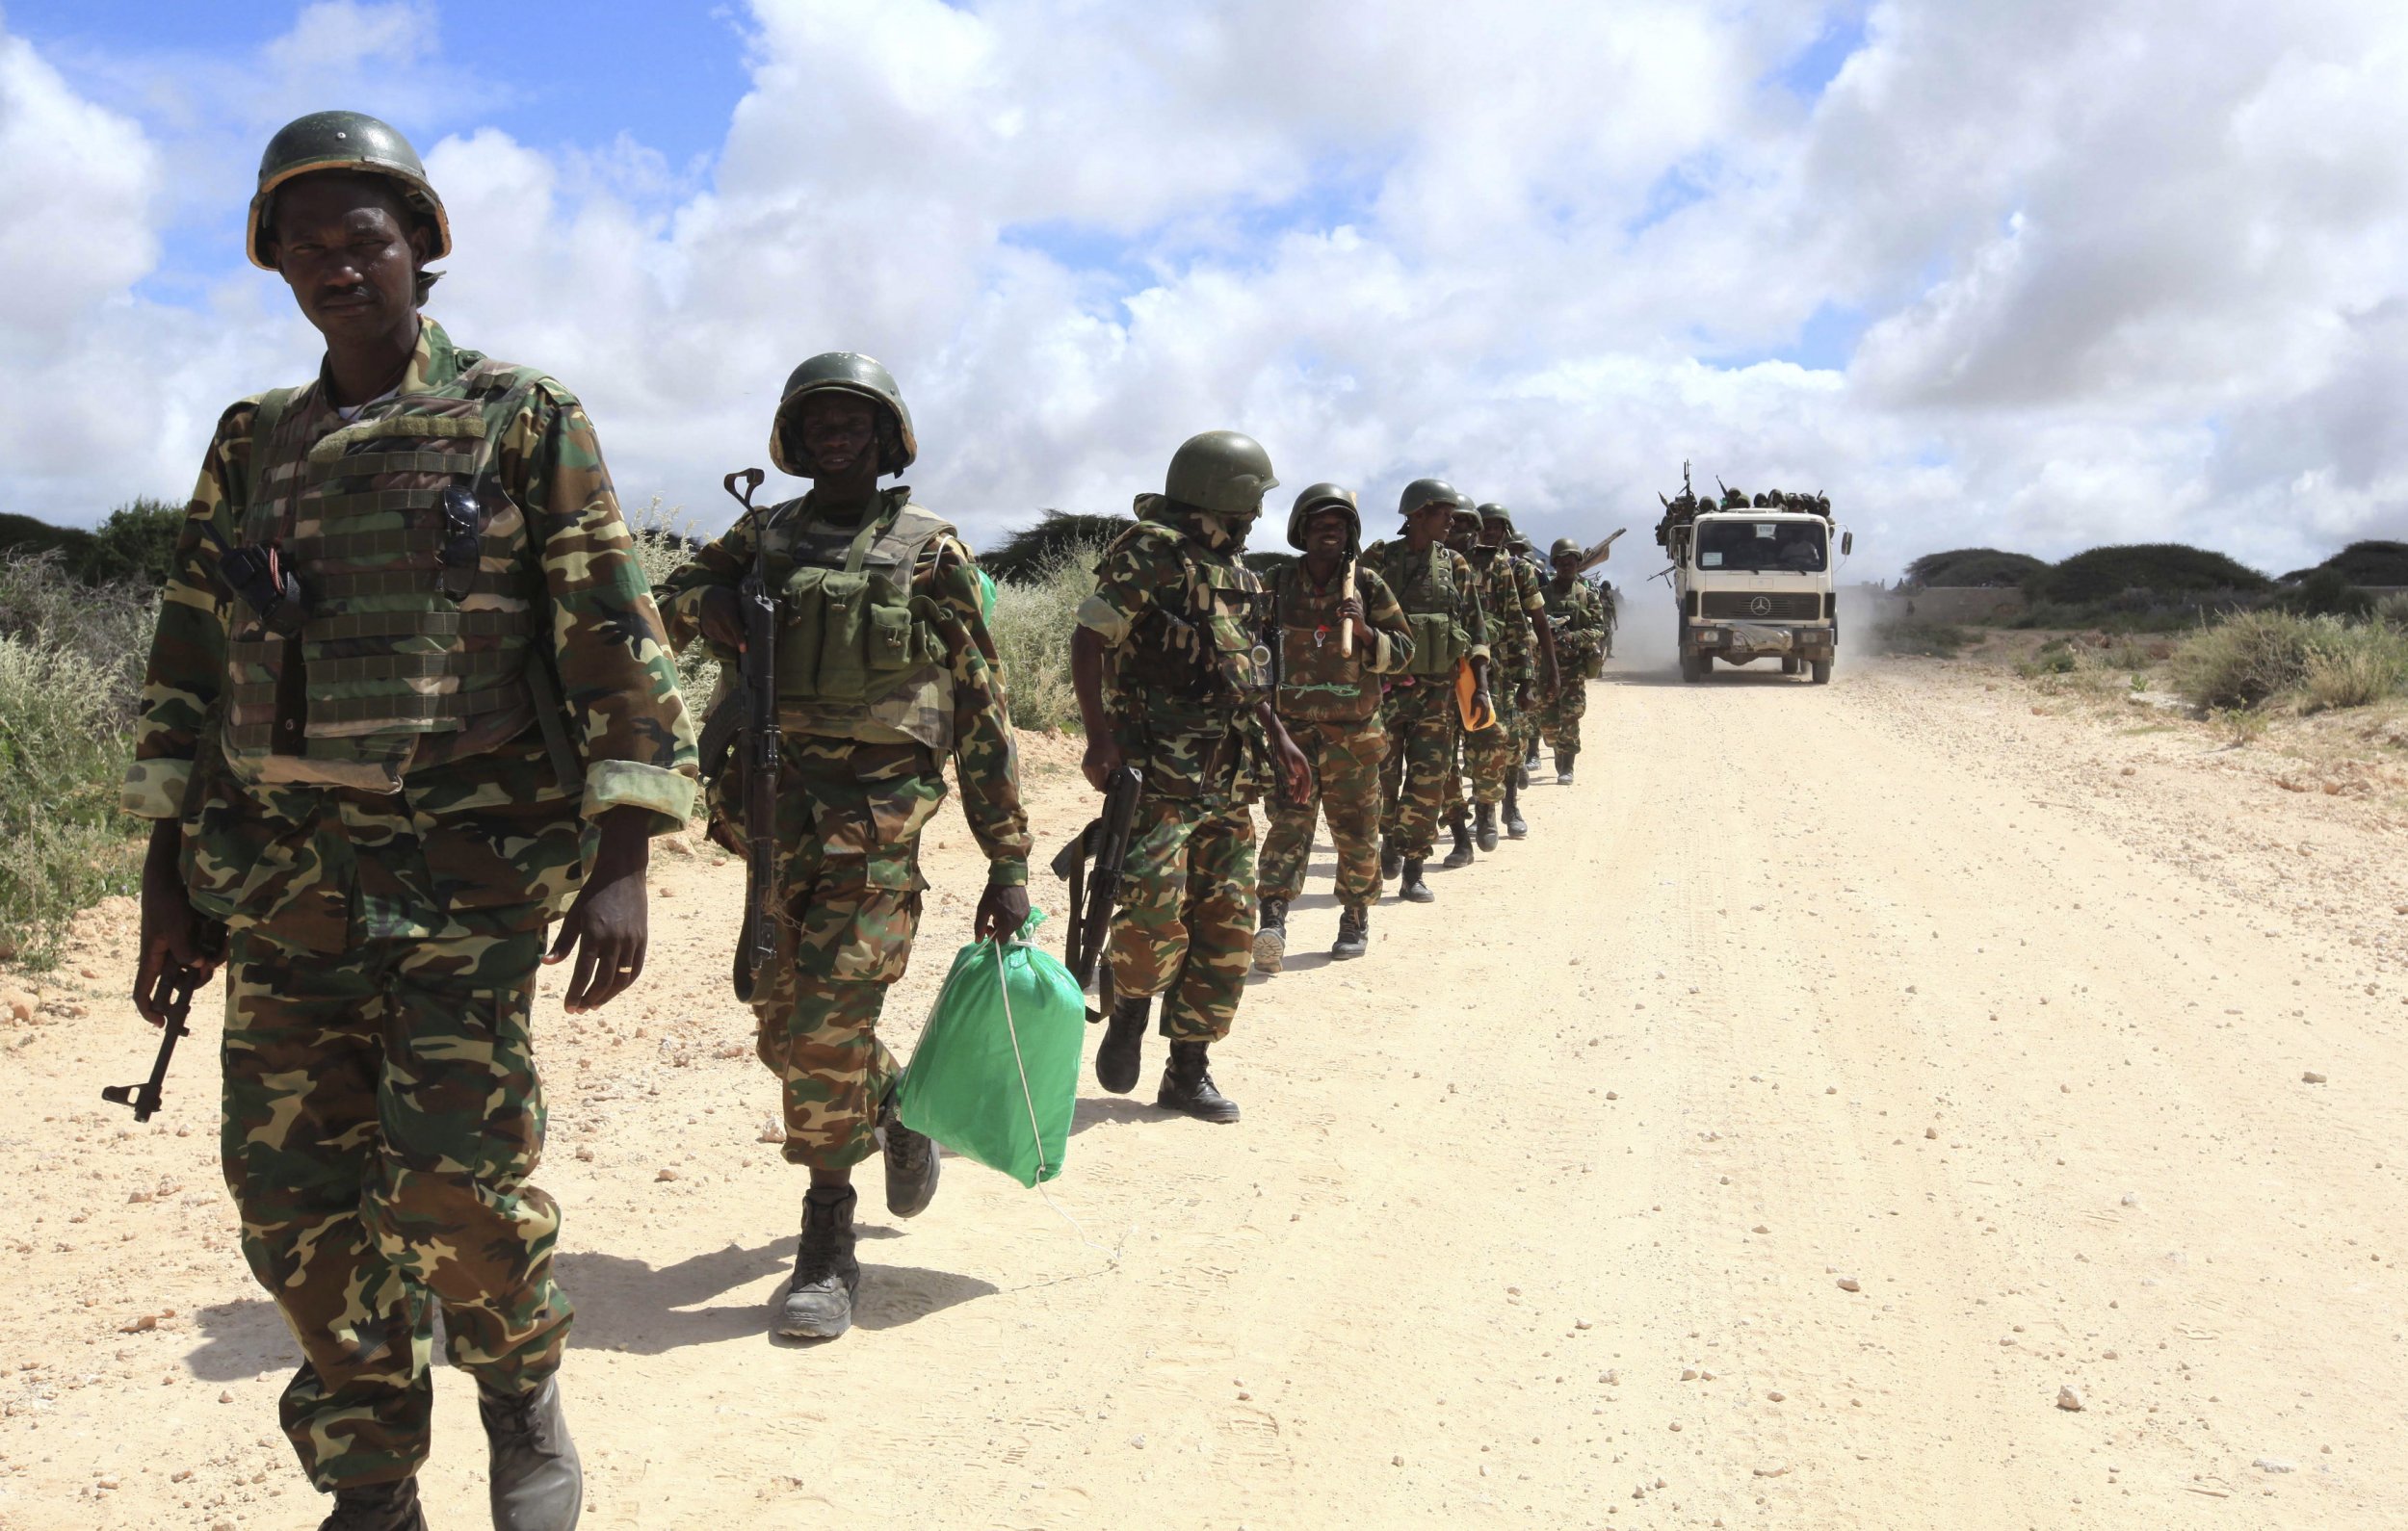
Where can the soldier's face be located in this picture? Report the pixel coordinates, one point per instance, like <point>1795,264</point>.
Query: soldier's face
<point>1492,534</point>
<point>1325,534</point>
<point>839,434</point>
<point>1462,534</point>
<point>350,251</point>
<point>1429,523</point>
<point>1567,567</point>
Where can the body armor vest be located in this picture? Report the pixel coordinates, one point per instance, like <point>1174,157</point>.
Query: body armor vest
<point>1194,659</point>
<point>1317,680</point>
<point>1500,591</point>
<point>858,654</point>
<point>1425,586</point>
<point>403,662</point>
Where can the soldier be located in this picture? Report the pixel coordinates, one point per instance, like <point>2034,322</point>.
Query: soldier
<point>1463,538</point>
<point>1521,633</point>
<point>1435,588</point>
<point>1328,700</point>
<point>409,702</point>
<point>861,755</point>
<point>1579,619</point>
<point>1527,719</point>
<point>1173,680</point>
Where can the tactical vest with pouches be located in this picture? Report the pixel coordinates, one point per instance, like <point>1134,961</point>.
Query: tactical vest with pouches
<point>1319,682</point>
<point>401,665</point>
<point>1191,661</point>
<point>859,655</point>
<point>1425,586</point>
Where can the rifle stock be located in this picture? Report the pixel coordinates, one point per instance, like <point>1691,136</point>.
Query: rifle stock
<point>756,746</point>
<point>1095,889</point>
<point>145,1098</point>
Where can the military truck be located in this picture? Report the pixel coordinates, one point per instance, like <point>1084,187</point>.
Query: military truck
<point>1752,575</point>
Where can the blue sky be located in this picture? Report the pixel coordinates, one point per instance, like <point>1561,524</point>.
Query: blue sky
<point>2042,274</point>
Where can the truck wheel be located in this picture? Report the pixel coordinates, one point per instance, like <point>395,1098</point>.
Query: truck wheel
<point>1694,666</point>
<point>1822,672</point>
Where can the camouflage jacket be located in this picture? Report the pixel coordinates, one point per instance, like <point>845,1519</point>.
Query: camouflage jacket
<point>1317,680</point>
<point>1508,592</point>
<point>1427,584</point>
<point>1579,617</point>
<point>986,759</point>
<point>1186,670</point>
<point>320,865</point>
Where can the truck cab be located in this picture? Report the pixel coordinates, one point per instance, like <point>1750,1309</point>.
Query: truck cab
<point>1758,585</point>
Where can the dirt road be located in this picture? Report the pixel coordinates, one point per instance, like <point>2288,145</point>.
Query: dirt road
<point>1834,1076</point>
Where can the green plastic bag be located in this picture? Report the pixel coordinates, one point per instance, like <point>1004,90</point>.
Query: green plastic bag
<point>996,1074</point>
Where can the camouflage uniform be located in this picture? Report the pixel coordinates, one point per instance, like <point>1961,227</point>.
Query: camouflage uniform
<point>1439,596</point>
<point>387,832</point>
<point>1580,620</point>
<point>1527,720</point>
<point>1179,614</point>
<point>1508,592</point>
<point>1329,704</point>
<point>856,787</point>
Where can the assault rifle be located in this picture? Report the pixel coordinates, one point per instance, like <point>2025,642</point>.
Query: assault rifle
<point>744,731</point>
<point>181,985</point>
<point>1095,891</point>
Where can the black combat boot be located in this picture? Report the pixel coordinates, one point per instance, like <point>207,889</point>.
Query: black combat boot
<point>537,1484</point>
<point>1414,890</point>
<point>1354,935</point>
<point>1484,833</point>
<point>376,1507</point>
<point>912,1162</point>
<point>1563,766</point>
<point>819,1300</point>
<point>1390,859</point>
<point>1461,855</point>
<point>1124,1039</point>
<point>1188,1086</point>
<point>1271,935</point>
<point>1515,825</point>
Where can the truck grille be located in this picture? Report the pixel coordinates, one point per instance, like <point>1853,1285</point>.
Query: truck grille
<point>1746,606</point>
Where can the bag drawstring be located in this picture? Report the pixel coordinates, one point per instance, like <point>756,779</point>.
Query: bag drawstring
<point>1027,1096</point>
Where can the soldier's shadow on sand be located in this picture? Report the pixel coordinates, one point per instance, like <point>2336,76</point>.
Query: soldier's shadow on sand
<point>623,1303</point>
<point>242,1339</point>
<point>1093,1110</point>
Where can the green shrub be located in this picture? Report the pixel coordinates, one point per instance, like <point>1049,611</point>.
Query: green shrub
<point>1974,566</point>
<point>64,736</point>
<point>2362,563</point>
<point>2354,665</point>
<point>1034,618</point>
<point>1912,636</point>
<point>26,536</point>
<point>666,542</point>
<point>135,546</point>
<point>1034,554</point>
<point>2324,592</point>
<point>2243,660</point>
<point>2161,569</point>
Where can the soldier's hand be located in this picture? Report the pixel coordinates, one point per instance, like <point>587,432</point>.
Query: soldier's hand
<point>1295,770</point>
<point>723,617</point>
<point>610,924</point>
<point>1002,912</point>
<point>171,932</point>
<point>1523,692</point>
<point>1103,758</point>
<point>1351,609</point>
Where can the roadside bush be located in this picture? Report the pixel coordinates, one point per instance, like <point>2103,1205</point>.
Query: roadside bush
<point>2355,666</point>
<point>2324,592</point>
<point>1914,637</point>
<point>1034,616</point>
<point>2362,563</point>
<point>1034,554</point>
<point>665,541</point>
<point>2164,569</point>
<point>2314,662</point>
<point>1974,566</point>
<point>65,736</point>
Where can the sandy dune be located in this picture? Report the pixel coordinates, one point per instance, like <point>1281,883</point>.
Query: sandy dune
<point>1833,1077</point>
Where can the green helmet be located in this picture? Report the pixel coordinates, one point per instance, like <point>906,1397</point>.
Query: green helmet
<point>1562,546</point>
<point>852,373</point>
<point>1324,497</point>
<point>1220,471</point>
<point>1426,491</point>
<point>342,140</point>
<point>1493,511</point>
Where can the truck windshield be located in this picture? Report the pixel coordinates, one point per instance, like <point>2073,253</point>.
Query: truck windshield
<point>1759,546</point>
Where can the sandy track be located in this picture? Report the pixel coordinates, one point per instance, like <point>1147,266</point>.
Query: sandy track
<point>2002,1015</point>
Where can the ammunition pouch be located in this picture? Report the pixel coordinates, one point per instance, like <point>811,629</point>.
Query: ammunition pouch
<point>1437,644</point>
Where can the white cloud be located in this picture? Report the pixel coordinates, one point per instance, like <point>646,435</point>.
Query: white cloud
<point>2122,274</point>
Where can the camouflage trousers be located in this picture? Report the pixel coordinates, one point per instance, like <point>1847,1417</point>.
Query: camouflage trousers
<point>1526,724</point>
<point>1491,752</point>
<point>1417,778</point>
<point>1185,928</point>
<point>1345,758</point>
<point>1560,722</point>
<point>382,1117</point>
<point>849,883</point>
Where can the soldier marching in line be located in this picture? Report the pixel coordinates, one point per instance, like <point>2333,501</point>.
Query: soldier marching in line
<point>1463,538</point>
<point>1527,719</point>
<point>1435,587</point>
<point>1526,649</point>
<point>409,703</point>
<point>1173,680</point>
<point>1333,648</point>
<point>1578,617</point>
<point>873,695</point>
